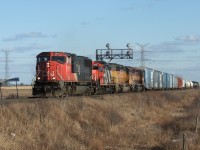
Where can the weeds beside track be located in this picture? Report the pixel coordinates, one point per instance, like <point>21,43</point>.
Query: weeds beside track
<point>142,120</point>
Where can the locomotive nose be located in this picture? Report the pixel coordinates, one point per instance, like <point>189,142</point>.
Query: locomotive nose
<point>45,72</point>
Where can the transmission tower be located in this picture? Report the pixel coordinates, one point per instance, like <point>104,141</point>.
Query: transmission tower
<point>142,56</point>
<point>6,52</point>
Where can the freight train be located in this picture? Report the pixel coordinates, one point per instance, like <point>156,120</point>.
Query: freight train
<point>62,73</point>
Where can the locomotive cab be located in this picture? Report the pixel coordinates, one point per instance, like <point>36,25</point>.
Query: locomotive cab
<point>51,66</point>
<point>101,73</point>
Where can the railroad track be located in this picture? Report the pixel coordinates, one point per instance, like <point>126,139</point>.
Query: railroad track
<point>95,97</point>
<point>39,99</point>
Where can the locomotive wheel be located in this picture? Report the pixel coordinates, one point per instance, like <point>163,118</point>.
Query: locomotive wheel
<point>117,89</point>
<point>47,94</point>
<point>136,88</point>
<point>57,93</point>
<point>112,90</point>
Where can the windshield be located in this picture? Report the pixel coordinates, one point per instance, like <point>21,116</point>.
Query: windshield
<point>43,58</point>
<point>95,67</point>
<point>60,59</point>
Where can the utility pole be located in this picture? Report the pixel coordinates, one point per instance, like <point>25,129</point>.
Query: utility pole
<point>142,57</point>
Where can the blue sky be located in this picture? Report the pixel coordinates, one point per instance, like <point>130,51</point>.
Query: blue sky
<point>171,27</point>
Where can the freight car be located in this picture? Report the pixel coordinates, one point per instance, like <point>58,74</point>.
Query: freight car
<point>61,73</point>
<point>195,84</point>
<point>157,80</point>
<point>148,78</point>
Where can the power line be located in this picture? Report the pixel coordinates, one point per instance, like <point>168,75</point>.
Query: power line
<point>168,60</point>
<point>20,57</point>
<point>18,72</point>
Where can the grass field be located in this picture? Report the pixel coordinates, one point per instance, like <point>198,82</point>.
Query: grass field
<point>132,121</point>
<point>11,91</point>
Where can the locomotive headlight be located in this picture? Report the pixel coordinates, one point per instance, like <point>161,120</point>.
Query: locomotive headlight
<point>48,65</point>
<point>53,78</point>
<point>38,78</point>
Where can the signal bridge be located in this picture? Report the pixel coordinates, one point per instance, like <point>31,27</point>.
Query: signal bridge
<point>111,54</point>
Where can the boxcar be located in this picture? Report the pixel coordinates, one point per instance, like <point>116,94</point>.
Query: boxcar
<point>164,80</point>
<point>195,84</point>
<point>180,82</point>
<point>187,84</point>
<point>191,84</point>
<point>170,81</point>
<point>183,83</point>
<point>157,79</point>
<point>174,82</point>
<point>148,78</point>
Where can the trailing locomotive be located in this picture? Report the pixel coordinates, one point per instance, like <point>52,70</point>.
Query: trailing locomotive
<point>61,73</point>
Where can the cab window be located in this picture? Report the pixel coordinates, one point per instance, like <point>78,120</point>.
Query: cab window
<point>43,59</point>
<point>95,67</point>
<point>59,59</point>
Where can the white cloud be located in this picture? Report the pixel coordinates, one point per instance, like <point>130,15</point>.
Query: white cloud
<point>130,8</point>
<point>166,47</point>
<point>26,48</point>
<point>189,38</point>
<point>180,44</point>
<point>29,35</point>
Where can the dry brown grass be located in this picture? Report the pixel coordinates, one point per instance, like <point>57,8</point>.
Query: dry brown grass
<point>151,120</point>
<point>11,91</point>
<point>20,87</point>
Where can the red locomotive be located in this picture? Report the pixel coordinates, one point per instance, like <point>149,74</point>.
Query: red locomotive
<point>101,74</point>
<point>62,73</point>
